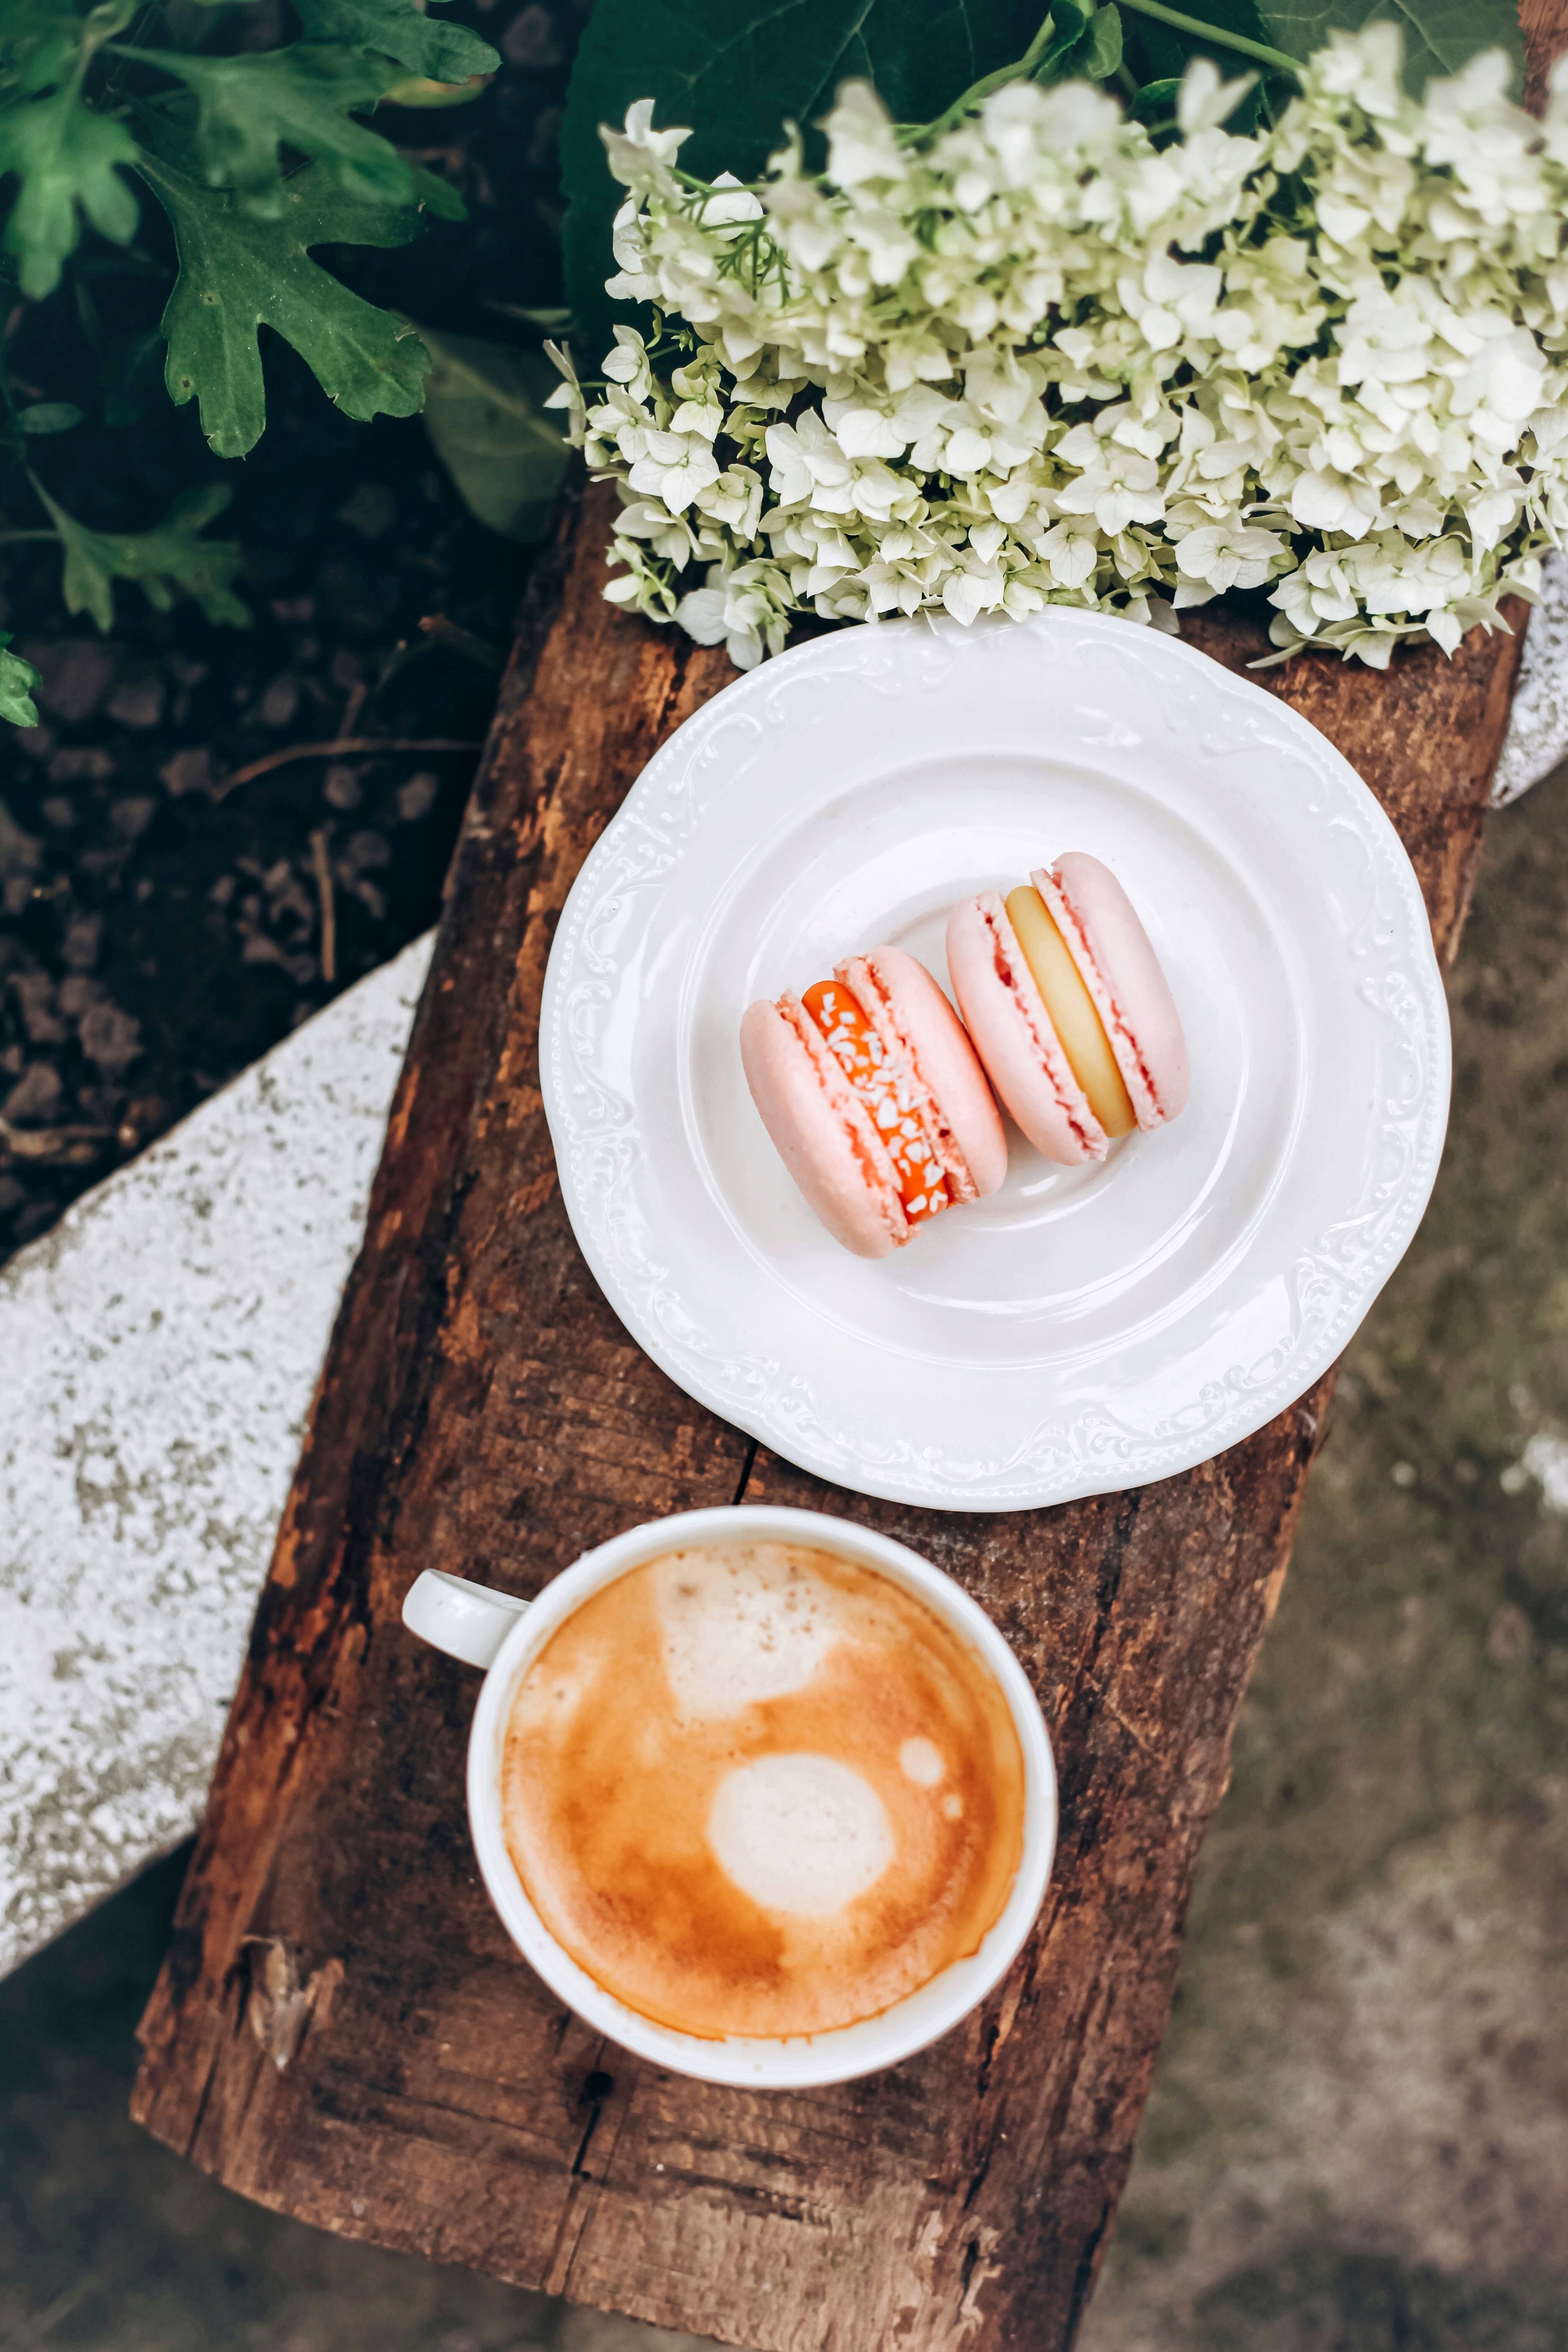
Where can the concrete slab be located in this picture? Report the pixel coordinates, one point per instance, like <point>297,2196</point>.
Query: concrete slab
<point>159,1348</point>
<point>1538,724</point>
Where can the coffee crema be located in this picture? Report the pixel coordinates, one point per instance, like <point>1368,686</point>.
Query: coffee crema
<point>759,1788</point>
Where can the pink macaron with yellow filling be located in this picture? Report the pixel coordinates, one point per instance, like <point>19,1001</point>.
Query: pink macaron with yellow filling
<point>873,1095</point>
<point>1068,1010</point>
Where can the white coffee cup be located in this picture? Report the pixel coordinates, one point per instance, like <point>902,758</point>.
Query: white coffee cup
<point>490,1630</point>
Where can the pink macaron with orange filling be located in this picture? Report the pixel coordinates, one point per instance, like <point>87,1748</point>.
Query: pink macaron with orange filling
<point>873,1095</point>
<point>1068,1010</point>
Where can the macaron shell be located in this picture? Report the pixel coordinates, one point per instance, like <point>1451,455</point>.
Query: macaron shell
<point>970,1140</point>
<point>821,1130</point>
<point>1012,1034</point>
<point>1121,972</point>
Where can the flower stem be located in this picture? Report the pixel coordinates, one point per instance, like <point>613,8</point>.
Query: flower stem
<point>1265,55</point>
<point>1026,65</point>
<point>983,89</point>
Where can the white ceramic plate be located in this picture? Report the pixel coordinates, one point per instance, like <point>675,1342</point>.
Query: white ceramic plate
<point>1082,1330</point>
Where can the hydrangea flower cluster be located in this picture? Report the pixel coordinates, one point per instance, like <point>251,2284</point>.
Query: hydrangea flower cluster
<point>1030,357</point>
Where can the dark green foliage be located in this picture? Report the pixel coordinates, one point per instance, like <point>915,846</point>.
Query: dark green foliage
<point>172,556</point>
<point>238,271</point>
<point>304,96</point>
<point>484,406</point>
<point>17,679</point>
<point>72,120</point>
<point>394,28</point>
<point>67,164</point>
<point>256,156</point>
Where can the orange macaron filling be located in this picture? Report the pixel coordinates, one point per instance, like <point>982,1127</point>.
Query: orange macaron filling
<point>1074,1014</point>
<point>859,1053</point>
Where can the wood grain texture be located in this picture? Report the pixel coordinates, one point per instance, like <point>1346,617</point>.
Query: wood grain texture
<point>1426,735</point>
<point>341,2029</point>
<point>1544,23</point>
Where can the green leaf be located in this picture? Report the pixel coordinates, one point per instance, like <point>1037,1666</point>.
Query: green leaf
<point>1098,54</point>
<point>1085,44</point>
<point>1156,102</point>
<point>238,273</point>
<point>1069,22</point>
<point>68,161</point>
<point>554,321</point>
<point>421,95</point>
<point>45,42</point>
<point>17,679</point>
<point>483,410</point>
<point>1440,36</point>
<point>396,28</point>
<point>48,417</point>
<point>434,194</point>
<point>302,96</point>
<point>172,556</point>
<point>39,43</point>
<point>736,70</point>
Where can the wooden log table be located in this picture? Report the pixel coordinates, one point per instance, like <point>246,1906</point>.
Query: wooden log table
<point>341,2030</point>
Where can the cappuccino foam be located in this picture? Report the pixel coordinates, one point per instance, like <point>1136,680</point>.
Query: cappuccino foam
<point>759,1788</point>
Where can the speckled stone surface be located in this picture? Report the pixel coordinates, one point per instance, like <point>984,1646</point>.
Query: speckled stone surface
<point>160,1347</point>
<point>1538,724</point>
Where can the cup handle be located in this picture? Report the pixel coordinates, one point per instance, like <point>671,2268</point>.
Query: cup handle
<point>467,1620</point>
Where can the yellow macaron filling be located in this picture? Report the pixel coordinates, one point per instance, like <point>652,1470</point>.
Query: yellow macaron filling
<point>1072,1009</point>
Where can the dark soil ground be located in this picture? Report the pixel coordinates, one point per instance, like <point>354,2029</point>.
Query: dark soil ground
<point>160,931</point>
<point>160,927</point>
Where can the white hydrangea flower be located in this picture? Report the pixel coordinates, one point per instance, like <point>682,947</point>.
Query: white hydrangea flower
<point>1227,555</point>
<point>641,156</point>
<point>1033,357</point>
<point>862,144</point>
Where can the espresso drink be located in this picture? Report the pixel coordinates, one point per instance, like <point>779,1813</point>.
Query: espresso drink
<point>757,1788</point>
